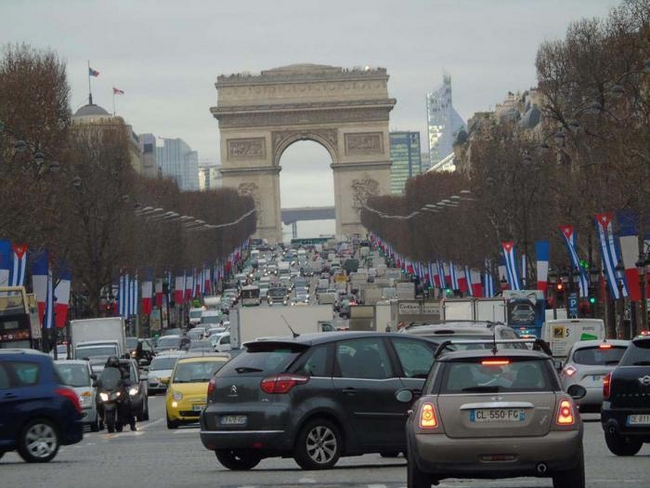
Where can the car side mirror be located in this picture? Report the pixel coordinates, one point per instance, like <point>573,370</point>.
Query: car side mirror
<point>93,377</point>
<point>404,396</point>
<point>577,391</point>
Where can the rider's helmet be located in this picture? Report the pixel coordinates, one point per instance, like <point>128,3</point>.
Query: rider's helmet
<point>113,362</point>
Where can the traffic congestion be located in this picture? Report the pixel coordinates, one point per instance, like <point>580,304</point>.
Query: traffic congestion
<point>293,395</point>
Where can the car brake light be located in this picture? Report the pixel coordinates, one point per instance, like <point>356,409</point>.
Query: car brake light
<point>607,381</point>
<point>565,413</point>
<point>70,395</point>
<point>428,419</point>
<point>495,362</point>
<point>282,383</point>
<point>212,385</point>
<point>570,371</point>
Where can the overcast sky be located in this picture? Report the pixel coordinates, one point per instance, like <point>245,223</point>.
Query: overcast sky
<point>166,55</point>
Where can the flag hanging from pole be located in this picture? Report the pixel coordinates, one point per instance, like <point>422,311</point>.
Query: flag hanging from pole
<point>92,72</point>
<point>147,292</point>
<point>40,271</point>
<point>629,239</point>
<point>510,256</point>
<point>117,91</point>
<point>19,265</point>
<point>159,293</point>
<point>62,295</point>
<point>570,239</point>
<point>542,253</point>
<point>123,295</point>
<point>609,254</point>
<point>5,262</point>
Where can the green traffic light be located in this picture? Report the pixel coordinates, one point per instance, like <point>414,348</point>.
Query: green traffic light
<point>592,300</point>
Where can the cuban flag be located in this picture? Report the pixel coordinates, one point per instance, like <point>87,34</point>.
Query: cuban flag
<point>629,239</point>
<point>467,276</point>
<point>19,265</point>
<point>5,262</point>
<point>123,295</point>
<point>510,256</point>
<point>40,274</point>
<point>542,249</point>
<point>179,289</point>
<point>609,253</point>
<point>434,278</point>
<point>441,274</point>
<point>62,295</point>
<point>159,292</point>
<point>133,295</point>
<point>488,279</point>
<point>147,292</point>
<point>570,239</point>
<point>475,283</point>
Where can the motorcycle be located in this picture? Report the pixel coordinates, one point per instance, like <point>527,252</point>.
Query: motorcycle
<point>113,400</point>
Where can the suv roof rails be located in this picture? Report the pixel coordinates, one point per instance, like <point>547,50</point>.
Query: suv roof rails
<point>538,345</point>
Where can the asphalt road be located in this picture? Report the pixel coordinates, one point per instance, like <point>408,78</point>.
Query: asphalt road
<point>156,456</point>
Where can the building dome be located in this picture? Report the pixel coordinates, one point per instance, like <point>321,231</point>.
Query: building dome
<point>91,110</point>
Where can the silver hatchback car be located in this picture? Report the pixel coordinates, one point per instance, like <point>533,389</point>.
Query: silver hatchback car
<point>587,364</point>
<point>494,413</point>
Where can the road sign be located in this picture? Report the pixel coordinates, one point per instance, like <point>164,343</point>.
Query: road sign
<point>573,305</point>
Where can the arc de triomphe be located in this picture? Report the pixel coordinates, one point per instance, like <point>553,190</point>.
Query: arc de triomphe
<point>346,111</point>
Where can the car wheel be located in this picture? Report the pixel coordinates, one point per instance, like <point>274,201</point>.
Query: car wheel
<point>110,421</point>
<point>38,442</point>
<point>574,478</point>
<point>238,460</point>
<point>94,427</point>
<point>318,445</point>
<point>172,424</point>
<point>1,454</point>
<point>622,446</point>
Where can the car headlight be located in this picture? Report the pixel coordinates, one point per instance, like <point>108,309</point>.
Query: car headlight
<point>103,396</point>
<point>133,391</point>
<point>177,395</point>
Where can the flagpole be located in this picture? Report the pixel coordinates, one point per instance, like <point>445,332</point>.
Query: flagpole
<point>113,102</point>
<point>90,93</point>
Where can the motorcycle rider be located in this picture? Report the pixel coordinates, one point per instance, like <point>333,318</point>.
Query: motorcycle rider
<point>126,408</point>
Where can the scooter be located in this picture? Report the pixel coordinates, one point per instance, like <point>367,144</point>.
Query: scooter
<point>113,400</point>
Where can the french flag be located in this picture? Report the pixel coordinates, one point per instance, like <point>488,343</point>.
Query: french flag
<point>475,279</point>
<point>198,282</point>
<point>179,289</point>
<point>207,284</point>
<point>542,252</point>
<point>159,292</point>
<point>147,292</point>
<point>20,265</point>
<point>62,295</point>
<point>189,285</point>
<point>5,262</point>
<point>629,239</point>
<point>40,275</point>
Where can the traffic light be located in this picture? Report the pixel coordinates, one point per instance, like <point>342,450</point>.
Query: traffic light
<point>559,286</point>
<point>592,299</point>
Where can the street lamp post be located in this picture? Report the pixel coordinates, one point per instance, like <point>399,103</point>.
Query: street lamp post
<point>552,279</point>
<point>620,323</point>
<point>594,281</point>
<point>642,267</point>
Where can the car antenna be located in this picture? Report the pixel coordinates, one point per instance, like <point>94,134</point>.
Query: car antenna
<point>288,325</point>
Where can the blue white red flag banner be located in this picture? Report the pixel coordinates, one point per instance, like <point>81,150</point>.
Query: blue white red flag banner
<point>609,253</point>
<point>542,249</point>
<point>524,270</point>
<point>159,292</point>
<point>93,72</point>
<point>62,295</point>
<point>629,239</point>
<point>441,274</point>
<point>462,279</point>
<point>198,280</point>
<point>19,265</point>
<point>475,280</point>
<point>189,285</point>
<point>467,276</point>
<point>434,278</point>
<point>147,291</point>
<point>40,273</point>
<point>570,239</point>
<point>133,295</point>
<point>179,289</point>
<point>6,253</point>
<point>48,318</point>
<point>453,277</point>
<point>510,257</point>
<point>123,295</point>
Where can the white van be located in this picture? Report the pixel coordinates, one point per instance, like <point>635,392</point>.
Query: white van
<point>561,334</point>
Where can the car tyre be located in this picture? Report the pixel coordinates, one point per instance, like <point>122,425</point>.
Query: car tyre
<point>621,445</point>
<point>110,421</point>
<point>318,445</point>
<point>238,460</point>
<point>172,424</point>
<point>574,478</point>
<point>38,441</point>
<point>95,426</point>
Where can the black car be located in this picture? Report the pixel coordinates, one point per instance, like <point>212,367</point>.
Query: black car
<point>625,413</point>
<point>314,398</point>
<point>38,413</point>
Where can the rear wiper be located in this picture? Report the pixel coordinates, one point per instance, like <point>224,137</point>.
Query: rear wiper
<point>481,389</point>
<point>614,361</point>
<point>641,363</point>
<point>246,369</point>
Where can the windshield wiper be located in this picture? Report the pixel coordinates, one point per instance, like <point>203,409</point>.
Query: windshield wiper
<point>481,389</point>
<point>641,363</point>
<point>246,369</point>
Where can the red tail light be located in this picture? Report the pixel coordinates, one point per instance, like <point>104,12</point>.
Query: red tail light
<point>70,394</point>
<point>282,383</point>
<point>570,371</point>
<point>428,419</point>
<point>212,385</point>
<point>607,381</point>
<point>565,415</point>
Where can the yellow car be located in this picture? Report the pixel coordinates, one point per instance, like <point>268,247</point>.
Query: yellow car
<point>188,387</point>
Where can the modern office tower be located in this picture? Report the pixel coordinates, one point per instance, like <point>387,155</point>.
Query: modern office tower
<point>148,148</point>
<point>405,158</point>
<point>177,160</point>
<point>209,176</point>
<point>443,122</point>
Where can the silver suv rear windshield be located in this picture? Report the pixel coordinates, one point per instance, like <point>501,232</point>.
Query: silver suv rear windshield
<point>497,374</point>
<point>597,356</point>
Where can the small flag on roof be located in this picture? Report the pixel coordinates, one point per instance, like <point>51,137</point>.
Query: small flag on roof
<point>92,72</point>
<point>117,91</point>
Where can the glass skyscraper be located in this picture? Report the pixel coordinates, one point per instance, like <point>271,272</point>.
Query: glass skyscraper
<point>405,158</point>
<point>177,160</point>
<point>443,122</point>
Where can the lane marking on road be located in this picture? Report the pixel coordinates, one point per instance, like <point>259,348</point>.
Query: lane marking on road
<point>186,431</point>
<point>149,424</point>
<point>306,480</point>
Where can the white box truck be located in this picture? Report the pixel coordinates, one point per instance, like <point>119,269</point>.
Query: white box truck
<point>98,339</point>
<point>562,334</point>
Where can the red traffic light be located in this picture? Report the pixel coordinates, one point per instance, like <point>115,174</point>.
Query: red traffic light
<point>560,287</point>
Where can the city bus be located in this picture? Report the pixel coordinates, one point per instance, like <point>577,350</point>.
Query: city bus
<point>19,323</point>
<point>250,296</point>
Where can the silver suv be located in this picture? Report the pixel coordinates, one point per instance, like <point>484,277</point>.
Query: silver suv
<point>465,330</point>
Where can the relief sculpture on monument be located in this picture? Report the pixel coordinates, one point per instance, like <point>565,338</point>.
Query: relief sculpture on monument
<point>247,148</point>
<point>363,143</point>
